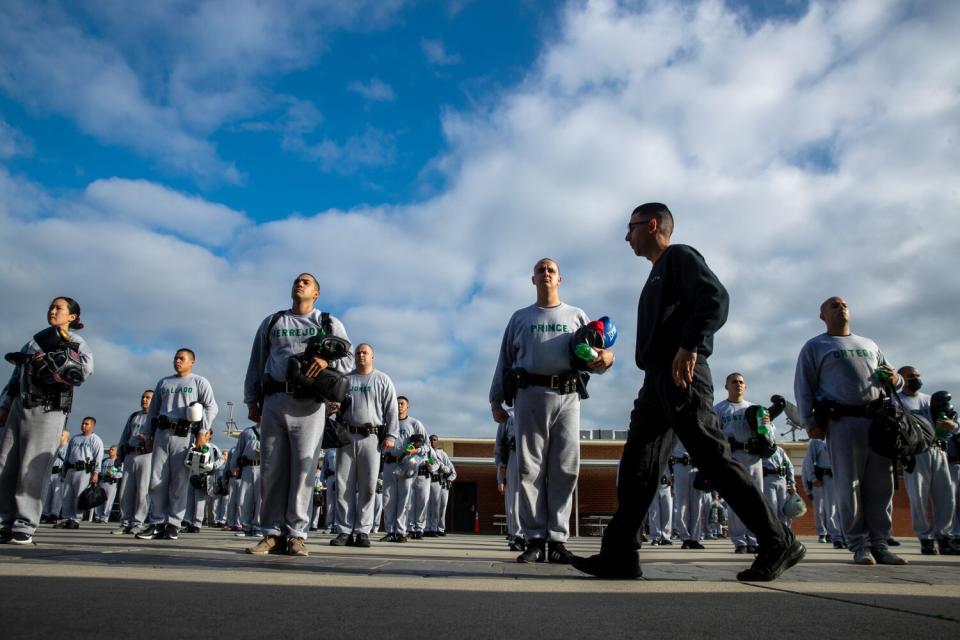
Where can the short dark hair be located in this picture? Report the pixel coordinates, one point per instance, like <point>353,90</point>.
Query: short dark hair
<point>190,351</point>
<point>399,398</point>
<point>659,211</point>
<point>90,418</point>
<point>903,370</point>
<point>735,373</point>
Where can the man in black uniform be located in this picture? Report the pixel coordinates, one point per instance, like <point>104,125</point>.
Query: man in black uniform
<point>682,305</point>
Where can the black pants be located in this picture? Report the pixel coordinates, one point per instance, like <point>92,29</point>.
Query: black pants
<point>661,412</point>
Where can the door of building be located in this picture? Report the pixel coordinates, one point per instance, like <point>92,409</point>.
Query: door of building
<point>463,507</point>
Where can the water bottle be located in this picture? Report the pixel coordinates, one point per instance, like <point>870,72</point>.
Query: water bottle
<point>763,428</point>
<point>585,352</point>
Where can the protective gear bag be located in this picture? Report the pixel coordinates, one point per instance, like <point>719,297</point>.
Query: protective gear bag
<point>195,412</point>
<point>794,507</point>
<point>897,433</point>
<point>596,334</point>
<point>91,497</point>
<point>761,441</point>
<point>199,461</point>
<point>335,434</point>
<point>48,382</point>
<point>329,384</point>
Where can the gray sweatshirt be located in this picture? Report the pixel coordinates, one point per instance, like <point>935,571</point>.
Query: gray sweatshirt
<point>406,429</point>
<point>83,448</point>
<point>248,446</point>
<point>373,401</point>
<point>174,394</point>
<point>288,337</point>
<point>733,422</point>
<point>537,339</point>
<point>839,369</point>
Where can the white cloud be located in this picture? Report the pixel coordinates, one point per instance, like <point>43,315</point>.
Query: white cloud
<point>802,157</point>
<point>437,54</point>
<point>376,90</point>
<point>13,142</point>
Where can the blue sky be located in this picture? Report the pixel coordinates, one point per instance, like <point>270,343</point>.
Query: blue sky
<point>175,166</point>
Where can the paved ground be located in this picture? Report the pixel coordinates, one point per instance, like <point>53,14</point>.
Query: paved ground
<point>457,586</point>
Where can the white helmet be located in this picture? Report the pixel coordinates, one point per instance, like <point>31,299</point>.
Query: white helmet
<point>794,507</point>
<point>195,411</point>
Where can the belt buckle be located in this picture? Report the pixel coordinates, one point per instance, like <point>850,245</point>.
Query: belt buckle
<point>555,381</point>
<point>287,389</point>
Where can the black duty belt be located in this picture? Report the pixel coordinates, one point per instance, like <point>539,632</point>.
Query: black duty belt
<point>247,462</point>
<point>110,480</point>
<point>562,383</point>
<point>838,410</point>
<point>271,386</point>
<point>434,477</point>
<point>80,466</point>
<point>774,472</point>
<point>684,460</point>
<point>56,470</point>
<point>389,459</point>
<point>423,471</point>
<point>365,429</point>
<point>736,445</point>
<point>819,472</point>
<point>180,428</point>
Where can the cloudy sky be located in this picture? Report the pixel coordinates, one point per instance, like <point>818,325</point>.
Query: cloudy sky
<point>174,165</point>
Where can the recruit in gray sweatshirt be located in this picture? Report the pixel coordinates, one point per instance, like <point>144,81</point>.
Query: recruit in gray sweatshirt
<point>537,339</point>
<point>373,401</point>
<point>839,369</point>
<point>288,337</point>
<point>174,394</point>
<point>20,372</point>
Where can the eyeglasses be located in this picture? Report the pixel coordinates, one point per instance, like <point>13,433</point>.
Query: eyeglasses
<point>638,223</point>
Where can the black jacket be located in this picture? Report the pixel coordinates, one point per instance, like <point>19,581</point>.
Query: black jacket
<point>682,305</point>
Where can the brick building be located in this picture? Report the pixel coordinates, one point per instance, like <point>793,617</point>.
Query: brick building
<point>475,495</point>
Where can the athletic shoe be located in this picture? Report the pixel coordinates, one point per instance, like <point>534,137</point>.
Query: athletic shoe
<point>947,547</point>
<point>351,540</point>
<point>441,533</point>
<point>666,543</point>
<point>295,547</point>
<point>654,543</point>
<point>740,549</point>
<point>518,544</point>
<point>535,552</point>
<point>267,544</point>
<point>21,537</point>
<point>928,548</point>
<point>885,556</point>
<point>6,536</point>
<point>771,562</point>
<point>610,566</point>
<point>752,549</point>
<point>821,539</point>
<point>245,534</point>
<point>362,540</point>
<point>691,544</point>
<point>390,537</point>
<point>120,530</point>
<point>429,534</point>
<point>416,535</point>
<point>557,553</point>
<point>149,532</point>
<point>839,544</point>
<point>172,532</point>
<point>891,542</point>
<point>862,556</point>
<point>340,541</point>
<point>399,537</point>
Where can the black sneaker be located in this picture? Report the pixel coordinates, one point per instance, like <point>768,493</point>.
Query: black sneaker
<point>666,542</point>
<point>928,548</point>
<point>362,540</point>
<point>351,540</point>
<point>693,544</point>
<point>340,540</point>
<point>945,545</point>
<point>429,534</point>
<point>149,532</point>
<point>21,537</point>
<point>518,544</point>
<point>6,536</point>
<point>557,553</point>
<point>771,562</point>
<point>172,532</point>
<point>441,533</point>
<point>390,537</point>
<point>535,552</point>
<point>839,544</point>
<point>400,538</point>
<point>752,549</point>
<point>609,566</point>
<point>740,549</point>
<point>891,542</point>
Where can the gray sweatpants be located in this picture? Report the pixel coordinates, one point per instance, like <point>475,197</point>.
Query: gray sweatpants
<point>249,500</point>
<point>863,481</point>
<point>775,493</point>
<point>660,514</point>
<point>930,482</point>
<point>110,488</point>
<point>397,491</point>
<point>28,444</point>
<point>740,536</point>
<point>420,503</point>
<point>377,511</point>
<point>358,464</point>
<point>53,497</point>
<point>437,513</point>
<point>233,499</point>
<point>686,503</point>
<point>511,494</point>
<point>74,482</point>
<point>955,475</point>
<point>134,489</point>
<point>196,506</point>
<point>289,450</point>
<point>548,451</point>
<point>169,478</point>
<point>331,516</point>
